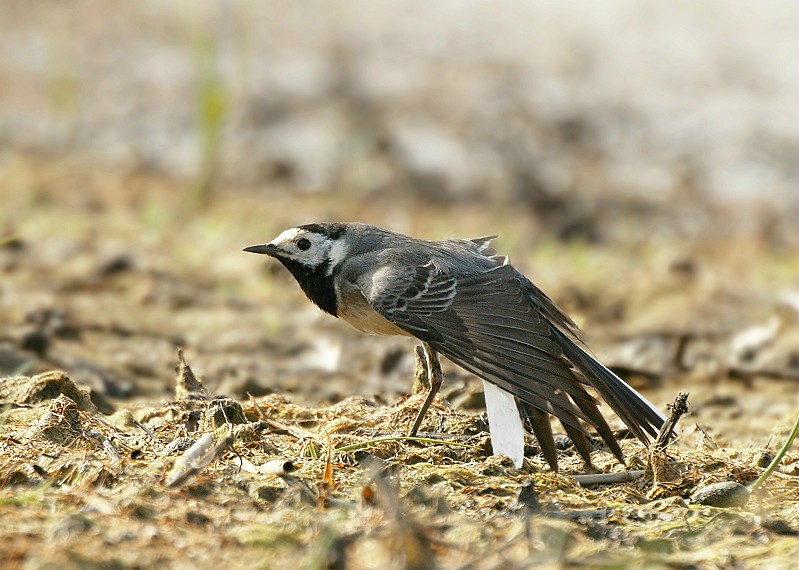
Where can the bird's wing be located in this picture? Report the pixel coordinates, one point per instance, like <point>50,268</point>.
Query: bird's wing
<point>538,298</point>
<point>487,324</point>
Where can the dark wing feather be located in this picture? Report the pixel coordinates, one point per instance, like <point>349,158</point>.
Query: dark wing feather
<point>538,298</point>
<point>488,324</point>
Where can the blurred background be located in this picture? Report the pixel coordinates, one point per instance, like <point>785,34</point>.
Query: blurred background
<point>639,162</point>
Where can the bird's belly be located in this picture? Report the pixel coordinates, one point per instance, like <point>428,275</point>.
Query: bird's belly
<point>360,314</point>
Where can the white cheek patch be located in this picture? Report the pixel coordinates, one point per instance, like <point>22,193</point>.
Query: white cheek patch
<point>314,257</point>
<point>338,253</point>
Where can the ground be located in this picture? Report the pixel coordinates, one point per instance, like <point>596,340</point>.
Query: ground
<point>638,165</point>
<point>107,282</point>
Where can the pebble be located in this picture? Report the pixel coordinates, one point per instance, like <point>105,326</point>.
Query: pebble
<point>723,494</point>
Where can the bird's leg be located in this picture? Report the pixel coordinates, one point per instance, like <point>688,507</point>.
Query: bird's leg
<point>421,377</point>
<point>434,377</point>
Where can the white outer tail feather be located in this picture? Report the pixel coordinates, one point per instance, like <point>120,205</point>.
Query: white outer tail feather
<point>504,423</point>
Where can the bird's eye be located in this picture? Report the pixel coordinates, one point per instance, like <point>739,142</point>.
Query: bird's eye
<point>303,243</point>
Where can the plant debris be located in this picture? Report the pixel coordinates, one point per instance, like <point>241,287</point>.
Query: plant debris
<point>414,501</point>
<point>198,456</point>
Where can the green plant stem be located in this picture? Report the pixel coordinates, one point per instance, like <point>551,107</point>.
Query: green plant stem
<point>777,458</point>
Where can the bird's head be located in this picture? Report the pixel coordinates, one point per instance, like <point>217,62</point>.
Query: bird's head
<point>314,246</point>
<point>312,253</point>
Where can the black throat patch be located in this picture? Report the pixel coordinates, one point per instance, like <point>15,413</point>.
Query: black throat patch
<point>316,284</point>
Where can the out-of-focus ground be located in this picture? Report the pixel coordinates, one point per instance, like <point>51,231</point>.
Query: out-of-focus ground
<point>638,162</point>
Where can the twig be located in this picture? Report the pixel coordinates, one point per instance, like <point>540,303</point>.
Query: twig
<point>748,373</point>
<point>196,458</point>
<point>255,405</point>
<point>144,428</point>
<point>273,467</point>
<point>187,384</point>
<point>678,408</point>
<point>608,478</point>
<point>297,432</point>
<point>415,543</point>
<point>352,446</point>
<point>428,434</point>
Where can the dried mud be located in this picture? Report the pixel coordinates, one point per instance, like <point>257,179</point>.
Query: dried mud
<point>101,288</point>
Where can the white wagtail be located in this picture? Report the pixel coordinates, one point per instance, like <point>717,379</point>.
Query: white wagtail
<point>466,302</point>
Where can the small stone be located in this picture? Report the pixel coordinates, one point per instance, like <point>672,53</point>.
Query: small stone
<point>763,458</point>
<point>779,526</point>
<point>562,442</point>
<point>119,263</point>
<point>723,494</point>
<point>527,499</point>
<point>269,494</point>
<point>69,527</point>
<point>220,412</point>
<point>197,518</point>
<point>36,341</point>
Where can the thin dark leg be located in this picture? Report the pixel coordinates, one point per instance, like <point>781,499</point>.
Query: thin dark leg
<point>436,378</point>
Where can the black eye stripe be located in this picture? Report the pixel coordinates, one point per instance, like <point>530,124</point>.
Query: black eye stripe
<point>303,243</point>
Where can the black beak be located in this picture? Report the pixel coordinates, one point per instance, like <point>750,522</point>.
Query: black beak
<point>266,249</point>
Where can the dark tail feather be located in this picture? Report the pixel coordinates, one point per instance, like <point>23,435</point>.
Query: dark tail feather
<point>581,443</point>
<point>633,409</point>
<point>539,422</point>
<point>590,409</point>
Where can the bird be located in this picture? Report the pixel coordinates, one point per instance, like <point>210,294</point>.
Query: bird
<point>464,301</point>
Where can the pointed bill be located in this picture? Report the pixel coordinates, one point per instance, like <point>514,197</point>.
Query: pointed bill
<point>505,423</point>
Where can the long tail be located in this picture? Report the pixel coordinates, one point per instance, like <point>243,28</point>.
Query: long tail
<point>641,416</point>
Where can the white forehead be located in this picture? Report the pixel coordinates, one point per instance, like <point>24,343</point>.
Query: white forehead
<point>288,235</point>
